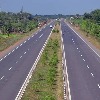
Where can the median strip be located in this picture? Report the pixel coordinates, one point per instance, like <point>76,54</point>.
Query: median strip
<point>46,82</point>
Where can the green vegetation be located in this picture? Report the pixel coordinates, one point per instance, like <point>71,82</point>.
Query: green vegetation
<point>6,41</point>
<point>44,82</point>
<point>56,31</point>
<point>21,22</point>
<point>89,23</point>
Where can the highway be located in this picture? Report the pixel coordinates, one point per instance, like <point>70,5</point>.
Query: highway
<point>83,66</point>
<point>15,66</point>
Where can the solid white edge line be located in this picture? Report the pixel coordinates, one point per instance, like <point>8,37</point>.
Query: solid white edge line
<point>22,89</point>
<point>83,40</point>
<point>64,62</point>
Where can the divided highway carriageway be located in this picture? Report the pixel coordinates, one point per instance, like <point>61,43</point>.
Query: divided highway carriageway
<point>83,66</point>
<point>15,66</point>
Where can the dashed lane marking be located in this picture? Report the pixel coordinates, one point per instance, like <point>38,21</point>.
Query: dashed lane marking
<point>21,44</point>
<point>13,50</point>
<point>92,74</point>
<point>24,52</point>
<point>10,68</point>
<point>9,53</point>
<point>17,47</point>
<point>24,41</point>
<point>88,66</point>
<point>1,77</point>
<point>1,59</point>
<point>16,62</point>
<point>99,86</point>
<point>41,36</point>
<point>83,59</point>
<point>20,56</point>
<point>28,38</point>
<point>5,56</point>
<point>85,42</point>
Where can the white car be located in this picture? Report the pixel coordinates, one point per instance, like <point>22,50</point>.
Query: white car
<point>50,26</point>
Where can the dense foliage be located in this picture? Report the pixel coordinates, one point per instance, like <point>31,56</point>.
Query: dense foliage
<point>89,22</point>
<point>16,22</point>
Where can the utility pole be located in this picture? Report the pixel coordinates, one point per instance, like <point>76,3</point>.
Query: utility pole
<point>21,10</point>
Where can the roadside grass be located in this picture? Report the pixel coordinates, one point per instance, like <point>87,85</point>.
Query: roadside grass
<point>92,39</point>
<point>6,41</point>
<point>46,82</point>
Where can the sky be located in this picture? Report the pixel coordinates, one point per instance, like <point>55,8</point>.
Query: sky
<point>48,7</point>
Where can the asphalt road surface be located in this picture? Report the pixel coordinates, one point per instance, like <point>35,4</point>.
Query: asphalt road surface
<point>15,67</point>
<point>83,66</point>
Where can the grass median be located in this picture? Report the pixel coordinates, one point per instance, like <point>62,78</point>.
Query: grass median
<point>46,82</point>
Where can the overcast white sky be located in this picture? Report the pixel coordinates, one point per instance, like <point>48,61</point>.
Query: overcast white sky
<point>50,6</point>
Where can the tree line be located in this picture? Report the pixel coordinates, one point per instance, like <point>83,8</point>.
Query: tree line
<point>21,22</point>
<point>89,22</point>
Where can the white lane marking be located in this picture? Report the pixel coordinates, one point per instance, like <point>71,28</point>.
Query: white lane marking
<point>84,41</point>
<point>92,74</point>
<point>28,38</point>
<point>24,52</point>
<point>36,33</point>
<point>83,59</point>
<point>72,39</point>
<point>9,53</point>
<point>79,51</point>
<point>41,36</point>
<point>33,36</point>
<point>5,56</point>
<point>21,44</point>
<point>13,50</point>
<point>63,47</point>
<point>36,40</point>
<point>77,48</point>
<point>1,59</point>
<point>17,47</point>
<point>10,68</point>
<point>99,86</point>
<point>68,81</point>
<point>28,49</point>
<point>88,66</point>
<point>16,62</point>
<point>64,54</point>
<point>20,56</point>
<point>1,77</point>
<point>24,41</point>
<point>81,55</point>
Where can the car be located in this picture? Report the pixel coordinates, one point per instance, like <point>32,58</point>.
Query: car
<point>50,26</point>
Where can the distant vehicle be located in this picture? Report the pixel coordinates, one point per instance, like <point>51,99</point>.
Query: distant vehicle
<point>50,26</point>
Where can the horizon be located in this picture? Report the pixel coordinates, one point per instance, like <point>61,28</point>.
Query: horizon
<point>50,7</point>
